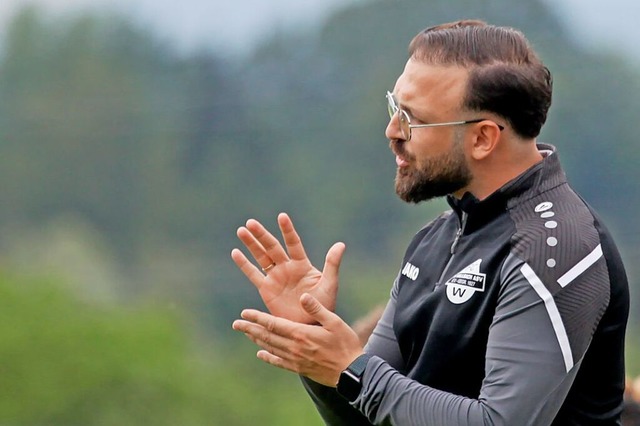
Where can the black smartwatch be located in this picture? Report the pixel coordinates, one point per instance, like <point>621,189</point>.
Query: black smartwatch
<point>350,381</point>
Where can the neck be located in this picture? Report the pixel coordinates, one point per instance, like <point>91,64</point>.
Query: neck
<point>505,164</point>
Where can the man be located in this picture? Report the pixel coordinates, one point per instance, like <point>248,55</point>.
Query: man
<point>510,309</point>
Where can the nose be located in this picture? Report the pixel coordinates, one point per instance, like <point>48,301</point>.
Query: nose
<point>393,128</point>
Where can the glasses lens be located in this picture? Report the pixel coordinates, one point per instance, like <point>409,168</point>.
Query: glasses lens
<point>405,128</point>
<point>391,105</point>
<point>391,110</point>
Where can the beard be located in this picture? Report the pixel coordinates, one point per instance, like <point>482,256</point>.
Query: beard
<point>434,177</point>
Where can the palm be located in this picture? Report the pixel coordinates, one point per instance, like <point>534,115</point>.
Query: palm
<point>293,273</point>
<point>287,282</point>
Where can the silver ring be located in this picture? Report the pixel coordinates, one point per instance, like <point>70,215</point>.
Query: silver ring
<point>268,268</point>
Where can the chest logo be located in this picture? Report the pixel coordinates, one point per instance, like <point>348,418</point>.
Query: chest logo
<point>410,271</point>
<point>463,285</point>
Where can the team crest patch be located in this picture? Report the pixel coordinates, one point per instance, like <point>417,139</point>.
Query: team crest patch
<point>466,283</point>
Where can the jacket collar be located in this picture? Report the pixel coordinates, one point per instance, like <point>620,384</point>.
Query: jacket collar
<point>539,178</point>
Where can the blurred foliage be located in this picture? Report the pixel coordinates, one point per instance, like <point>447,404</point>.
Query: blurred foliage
<point>127,166</point>
<point>69,362</point>
<point>633,351</point>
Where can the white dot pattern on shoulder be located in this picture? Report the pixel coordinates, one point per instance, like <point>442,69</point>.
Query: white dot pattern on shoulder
<point>545,211</point>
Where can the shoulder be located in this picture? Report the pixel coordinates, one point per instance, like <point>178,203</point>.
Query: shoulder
<point>554,231</point>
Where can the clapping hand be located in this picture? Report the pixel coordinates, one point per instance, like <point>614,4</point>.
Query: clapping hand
<point>318,352</point>
<point>284,275</point>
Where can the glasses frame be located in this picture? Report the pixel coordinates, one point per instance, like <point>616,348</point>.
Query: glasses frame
<point>405,129</point>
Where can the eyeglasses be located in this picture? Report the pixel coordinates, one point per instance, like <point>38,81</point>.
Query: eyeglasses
<point>405,121</point>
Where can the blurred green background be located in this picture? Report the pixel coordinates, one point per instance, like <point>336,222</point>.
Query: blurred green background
<point>127,163</point>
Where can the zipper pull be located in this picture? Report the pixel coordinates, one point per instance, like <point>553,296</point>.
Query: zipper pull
<point>463,222</point>
<point>455,241</point>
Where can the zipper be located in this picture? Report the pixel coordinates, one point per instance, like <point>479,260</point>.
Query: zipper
<point>456,239</point>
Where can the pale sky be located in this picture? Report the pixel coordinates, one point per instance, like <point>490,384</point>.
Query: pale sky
<point>237,25</point>
<point>194,23</point>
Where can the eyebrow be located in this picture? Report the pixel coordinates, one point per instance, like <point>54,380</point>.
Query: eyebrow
<point>402,106</point>
<point>408,110</point>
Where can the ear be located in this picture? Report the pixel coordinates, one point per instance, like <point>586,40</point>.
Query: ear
<point>486,137</point>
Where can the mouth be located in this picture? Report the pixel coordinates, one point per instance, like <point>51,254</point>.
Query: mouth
<point>401,162</point>
<point>401,157</point>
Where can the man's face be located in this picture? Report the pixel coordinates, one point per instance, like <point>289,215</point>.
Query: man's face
<point>433,162</point>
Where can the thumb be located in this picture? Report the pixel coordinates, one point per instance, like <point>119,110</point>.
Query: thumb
<point>315,309</point>
<point>332,265</point>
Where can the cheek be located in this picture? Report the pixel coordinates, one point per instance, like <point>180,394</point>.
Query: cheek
<point>425,148</point>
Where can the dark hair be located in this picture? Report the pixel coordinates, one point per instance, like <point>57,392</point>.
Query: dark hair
<point>506,76</point>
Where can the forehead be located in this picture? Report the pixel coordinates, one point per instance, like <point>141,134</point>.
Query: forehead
<point>425,86</point>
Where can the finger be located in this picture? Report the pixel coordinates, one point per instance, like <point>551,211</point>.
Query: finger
<point>255,248</point>
<point>318,312</point>
<point>331,268</point>
<point>276,361</point>
<point>268,341</point>
<point>270,244</point>
<point>273,324</point>
<point>247,268</point>
<point>291,238</point>
<point>265,353</point>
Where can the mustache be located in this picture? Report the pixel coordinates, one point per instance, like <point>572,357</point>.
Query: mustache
<point>398,148</point>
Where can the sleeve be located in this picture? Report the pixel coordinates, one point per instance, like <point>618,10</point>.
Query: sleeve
<point>526,374</point>
<point>335,410</point>
<point>382,342</point>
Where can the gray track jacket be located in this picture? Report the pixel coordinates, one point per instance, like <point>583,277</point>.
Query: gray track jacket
<point>506,311</point>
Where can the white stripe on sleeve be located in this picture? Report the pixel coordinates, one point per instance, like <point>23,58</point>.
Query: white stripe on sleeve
<point>554,314</point>
<point>581,266</point>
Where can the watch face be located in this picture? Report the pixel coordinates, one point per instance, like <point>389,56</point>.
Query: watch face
<point>350,382</point>
<point>349,386</point>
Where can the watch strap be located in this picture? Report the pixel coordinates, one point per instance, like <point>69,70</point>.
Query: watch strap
<point>358,365</point>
